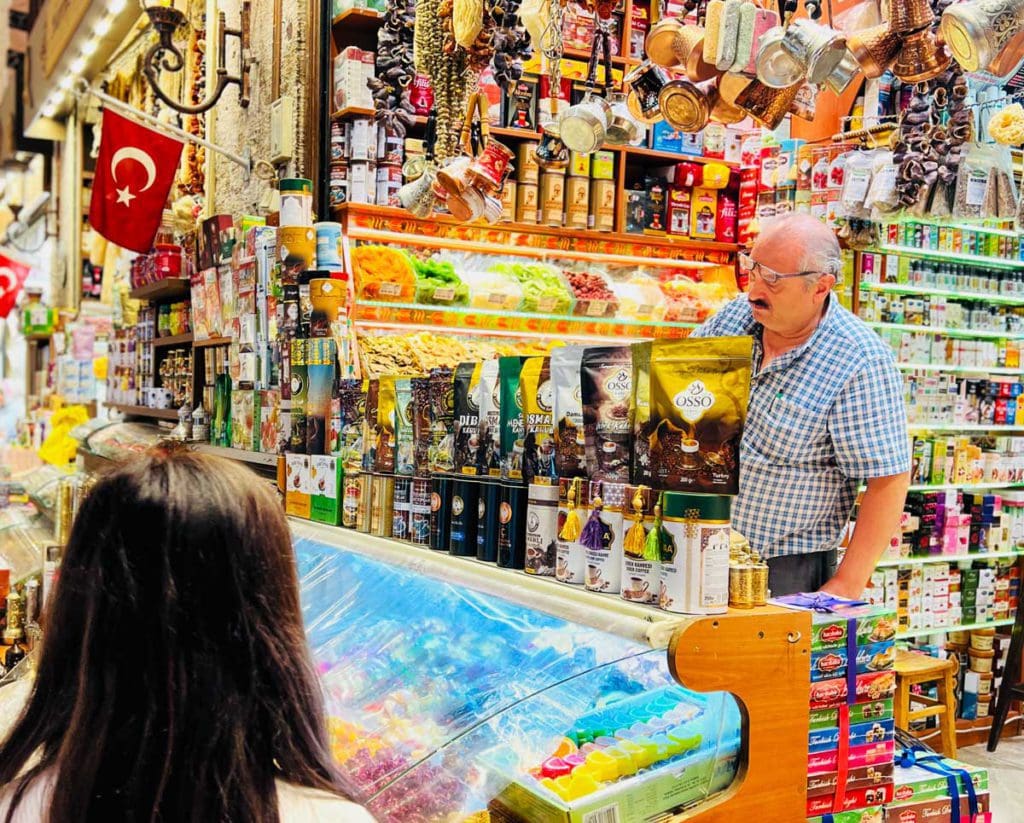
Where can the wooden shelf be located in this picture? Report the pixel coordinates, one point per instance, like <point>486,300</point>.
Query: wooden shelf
<point>352,111</point>
<point>628,151</point>
<point>358,19</point>
<point>174,340</point>
<point>173,288</point>
<point>570,236</point>
<point>211,341</point>
<point>145,411</point>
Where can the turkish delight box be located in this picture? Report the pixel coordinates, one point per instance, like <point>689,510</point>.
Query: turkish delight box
<point>914,783</point>
<point>298,483</point>
<point>325,480</point>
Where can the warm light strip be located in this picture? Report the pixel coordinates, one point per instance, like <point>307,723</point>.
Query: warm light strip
<point>473,332</point>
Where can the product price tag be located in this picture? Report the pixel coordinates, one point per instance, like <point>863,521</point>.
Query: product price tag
<point>444,294</point>
<point>644,310</point>
<point>597,308</point>
<point>496,298</point>
<point>390,290</point>
<point>547,304</point>
<point>977,182</point>
<point>857,186</point>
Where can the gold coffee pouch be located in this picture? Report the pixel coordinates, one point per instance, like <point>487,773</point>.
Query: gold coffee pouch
<point>699,394</point>
<point>538,445</point>
<point>387,424</point>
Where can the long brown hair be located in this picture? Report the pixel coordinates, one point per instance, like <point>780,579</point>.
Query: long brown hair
<point>174,682</point>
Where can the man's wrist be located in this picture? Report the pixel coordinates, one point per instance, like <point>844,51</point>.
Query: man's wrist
<point>842,586</point>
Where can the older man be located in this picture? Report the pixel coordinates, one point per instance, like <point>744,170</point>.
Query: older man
<point>826,413</point>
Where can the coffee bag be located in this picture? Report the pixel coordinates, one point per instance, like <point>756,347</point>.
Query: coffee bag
<point>606,381</point>
<point>567,412</point>
<point>538,444</point>
<point>467,417</point>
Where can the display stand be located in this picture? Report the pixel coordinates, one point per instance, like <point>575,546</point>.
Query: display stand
<point>762,657</point>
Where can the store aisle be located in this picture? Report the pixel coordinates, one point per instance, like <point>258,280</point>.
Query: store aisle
<point>1004,770</point>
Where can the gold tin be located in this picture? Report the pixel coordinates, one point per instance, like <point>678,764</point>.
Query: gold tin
<point>382,502</point>
<point>976,32</point>
<point>662,43</point>
<point>760,581</point>
<point>741,586</point>
<point>363,510</point>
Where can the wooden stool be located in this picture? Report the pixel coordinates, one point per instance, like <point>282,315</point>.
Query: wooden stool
<point>913,669</point>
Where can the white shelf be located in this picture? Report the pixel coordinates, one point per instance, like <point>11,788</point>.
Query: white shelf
<point>945,558</point>
<point>964,428</point>
<point>932,291</point>
<point>239,455</point>
<point>963,627</point>
<point>949,256</point>
<point>977,487</point>
<point>967,334</point>
<point>940,367</point>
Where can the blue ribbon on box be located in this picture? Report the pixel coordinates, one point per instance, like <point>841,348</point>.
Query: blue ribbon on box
<point>822,602</point>
<point>919,756</point>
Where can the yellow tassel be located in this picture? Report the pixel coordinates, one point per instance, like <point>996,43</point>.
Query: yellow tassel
<point>636,537</point>
<point>572,528</point>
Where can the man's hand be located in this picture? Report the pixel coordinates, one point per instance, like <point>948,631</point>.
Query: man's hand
<point>877,521</point>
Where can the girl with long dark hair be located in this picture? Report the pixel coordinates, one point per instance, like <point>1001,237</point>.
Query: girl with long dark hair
<point>174,681</point>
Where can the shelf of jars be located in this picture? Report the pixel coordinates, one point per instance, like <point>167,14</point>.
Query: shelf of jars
<point>947,256</point>
<point>929,291</point>
<point>502,323</point>
<point>960,627</point>
<point>966,334</point>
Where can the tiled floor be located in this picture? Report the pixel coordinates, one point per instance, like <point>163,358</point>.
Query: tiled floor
<point>1005,770</point>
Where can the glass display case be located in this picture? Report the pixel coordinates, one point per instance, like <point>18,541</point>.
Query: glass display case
<point>117,441</point>
<point>445,700</point>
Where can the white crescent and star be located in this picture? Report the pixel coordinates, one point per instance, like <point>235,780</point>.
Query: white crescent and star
<point>7,277</point>
<point>125,195</point>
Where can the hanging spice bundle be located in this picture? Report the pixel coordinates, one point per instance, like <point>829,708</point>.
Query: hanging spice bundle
<point>392,86</point>
<point>438,56</point>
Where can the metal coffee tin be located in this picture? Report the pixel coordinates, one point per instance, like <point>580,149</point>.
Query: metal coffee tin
<point>661,43</point>
<point>541,529</point>
<point>684,105</point>
<point>603,571</point>
<point>440,511</point>
<point>363,510</point>
<point>573,508</point>
<point>419,511</point>
<point>741,586</point>
<point>465,495</point>
<point>646,82</point>
<point>401,509</point>
<point>351,497</point>
<point>488,514</point>
<point>382,499</point>
<point>695,553</point>
<point>760,578</point>
<point>640,577</point>
<point>512,526</point>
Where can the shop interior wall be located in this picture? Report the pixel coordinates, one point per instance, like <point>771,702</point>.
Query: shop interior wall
<point>235,128</point>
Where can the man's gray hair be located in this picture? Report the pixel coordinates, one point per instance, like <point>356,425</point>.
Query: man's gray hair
<point>819,248</point>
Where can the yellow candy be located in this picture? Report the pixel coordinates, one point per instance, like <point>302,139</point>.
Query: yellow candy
<point>553,786</point>
<point>602,766</point>
<point>648,753</point>
<point>625,760</point>
<point>582,784</point>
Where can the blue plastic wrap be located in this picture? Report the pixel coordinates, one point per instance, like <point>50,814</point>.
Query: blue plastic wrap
<point>441,698</point>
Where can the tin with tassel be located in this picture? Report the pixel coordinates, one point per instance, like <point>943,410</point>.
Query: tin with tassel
<point>641,567</point>
<point>573,511</point>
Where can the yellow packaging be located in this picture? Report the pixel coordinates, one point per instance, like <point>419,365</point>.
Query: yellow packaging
<point>386,408</point>
<point>602,165</point>
<point>602,205</point>
<point>527,170</point>
<point>508,201</point>
<point>298,486</point>
<point>537,392</point>
<point>297,245</point>
<point>579,164</point>
<point>699,391</point>
<point>577,202</point>
<point>703,213</point>
<point>526,203</point>
<point>552,199</point>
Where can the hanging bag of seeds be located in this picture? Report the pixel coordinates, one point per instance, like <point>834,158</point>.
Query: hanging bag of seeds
<point>977,194</point>
<point>882,198</point>
<point>860,167</point>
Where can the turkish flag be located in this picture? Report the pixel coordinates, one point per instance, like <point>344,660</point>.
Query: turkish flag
<point>134,174</point>
<point>13,274</point>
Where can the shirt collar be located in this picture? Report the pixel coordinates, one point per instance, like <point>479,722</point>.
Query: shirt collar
<point>786,360</point>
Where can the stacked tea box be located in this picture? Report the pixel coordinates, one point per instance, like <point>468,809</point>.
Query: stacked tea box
<point>851,720</point>
<point>924,794</point>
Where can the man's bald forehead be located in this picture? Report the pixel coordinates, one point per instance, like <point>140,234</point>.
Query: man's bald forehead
<point>803,229</point>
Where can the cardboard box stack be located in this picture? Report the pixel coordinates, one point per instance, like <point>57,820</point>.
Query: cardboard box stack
<point>923,794</point>
<point>851,731</point>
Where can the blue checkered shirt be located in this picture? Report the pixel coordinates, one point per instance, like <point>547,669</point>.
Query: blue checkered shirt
<point>822,418</point>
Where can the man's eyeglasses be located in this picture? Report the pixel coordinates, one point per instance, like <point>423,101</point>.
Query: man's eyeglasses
<point>762,272</point>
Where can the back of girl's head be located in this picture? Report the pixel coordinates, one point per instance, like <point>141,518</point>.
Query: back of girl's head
<point>174,681</point>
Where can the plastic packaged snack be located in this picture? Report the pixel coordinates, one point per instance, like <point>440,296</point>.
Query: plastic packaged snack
<point>594,297</point>
<point>639,297</point>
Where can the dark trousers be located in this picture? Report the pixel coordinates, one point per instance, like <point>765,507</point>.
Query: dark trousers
<point>800,572</point>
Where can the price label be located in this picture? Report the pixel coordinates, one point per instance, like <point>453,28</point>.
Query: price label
<point>444,294</point>
<point>597,308</point>
<point>547,304</point>
<point>645,310</point>
<point>496,298</point>
<point>390,290</point>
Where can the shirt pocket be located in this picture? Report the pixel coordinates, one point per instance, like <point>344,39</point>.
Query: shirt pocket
<point>794,433</point>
